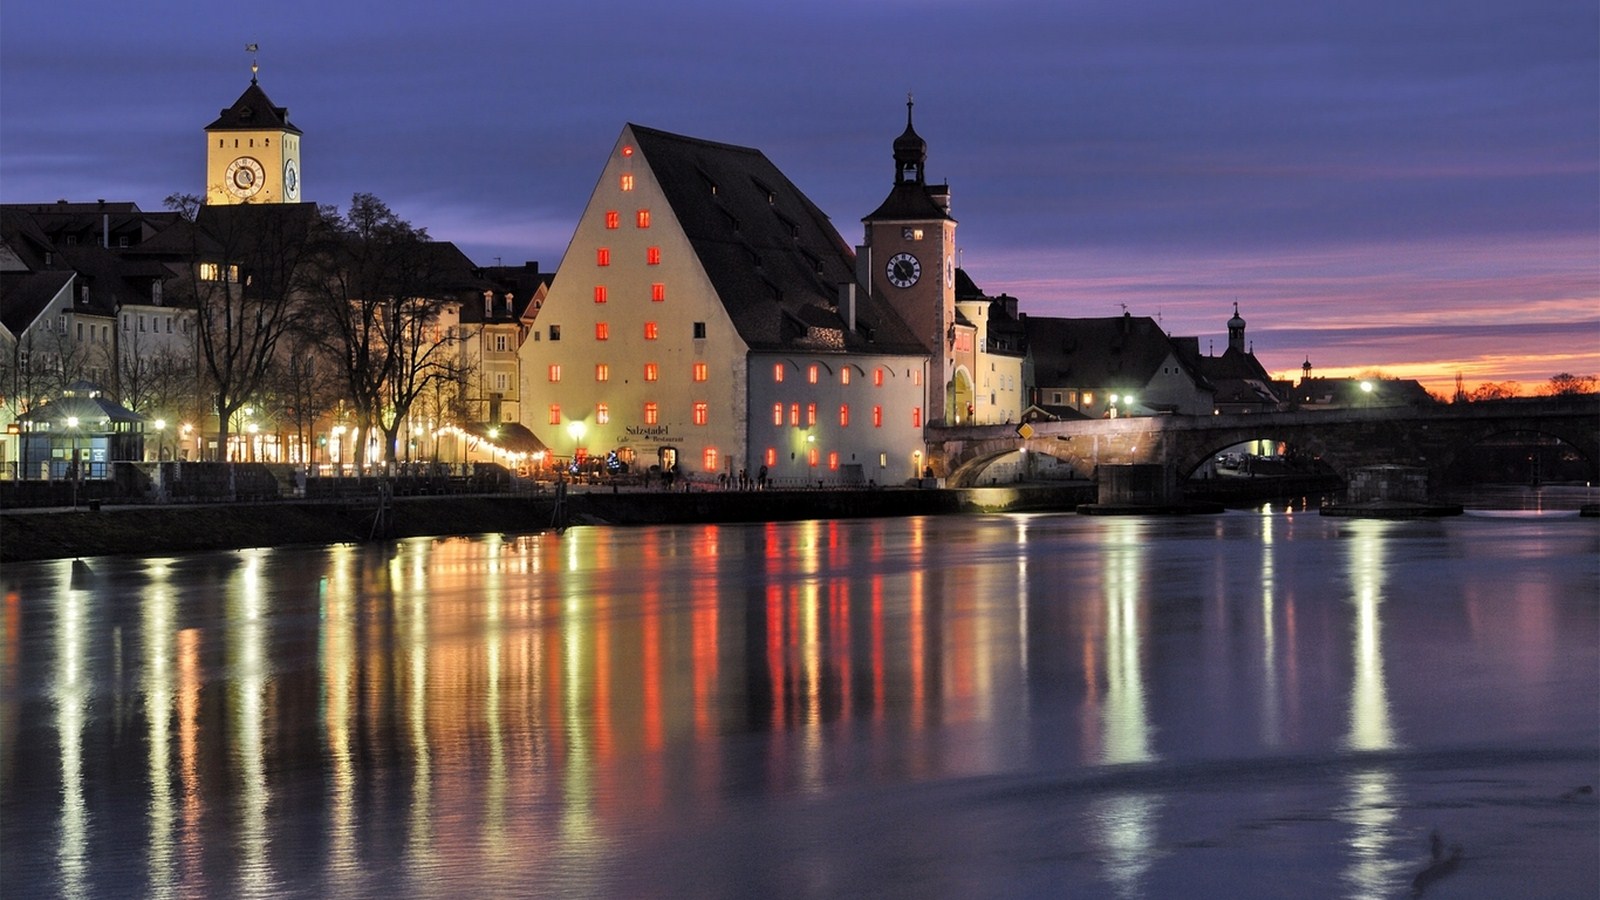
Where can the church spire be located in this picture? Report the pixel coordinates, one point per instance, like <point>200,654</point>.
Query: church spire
<point>910,152</point>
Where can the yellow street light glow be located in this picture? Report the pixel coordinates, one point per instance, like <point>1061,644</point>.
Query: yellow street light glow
<point>72,421</point>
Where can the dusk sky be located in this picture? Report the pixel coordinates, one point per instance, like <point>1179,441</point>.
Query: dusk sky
<point>1409,187</point>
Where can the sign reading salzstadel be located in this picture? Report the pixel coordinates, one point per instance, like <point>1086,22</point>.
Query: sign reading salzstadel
<point>660,434</point>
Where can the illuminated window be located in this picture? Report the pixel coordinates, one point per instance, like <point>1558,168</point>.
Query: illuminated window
<point>642,218</point>
<point>658,292</point>
<point>844,415</point>
<point>916,376</point>
<point>602,413</point>
<point>811,374</point>
<point>883,460</point>
<point>210,272</point>
<point>877,417</point>
<point>777,413</point>
<point>877,377</point>
<point>555,372</point>
<point>794,414</point>
<point>651,332</point>
<point>833,461</point>
<point>709,459</point>
<point>812,456</point>
<point>772,456</point>
<point>652,414</point>
<point>652,256</point>
<point>613,219</point>
<point>702,412</point>
<point>599,293</point>
<point>1088,398</point>
<point>555,414</point>
<point>625,182</point>
<point>916,417</point>
<point>602,372</point>
<point>602,331</point>
<point>811,414</point>
<point>702,371</point>
<point>777,371</point>
<point>651,371</point>
<point>602,256</point>
<point>844,375</point>
<point>627,149</point>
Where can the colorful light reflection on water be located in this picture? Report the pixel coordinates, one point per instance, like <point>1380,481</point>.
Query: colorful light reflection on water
<point>1244,704</point>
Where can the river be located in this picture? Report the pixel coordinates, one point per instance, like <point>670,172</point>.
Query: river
<point>1257,703</point>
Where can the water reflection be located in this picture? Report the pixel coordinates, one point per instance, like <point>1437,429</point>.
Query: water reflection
<point>1373,796</point>
<point>605,709</point>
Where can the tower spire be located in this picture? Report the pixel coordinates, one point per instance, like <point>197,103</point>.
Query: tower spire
<point>255,66</point>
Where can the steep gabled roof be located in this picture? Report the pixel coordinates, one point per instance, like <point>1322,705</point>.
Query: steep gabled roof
<point>24,295</point>
<point>774,258</point>
<point>253,111</point>
<point>1121,350</point>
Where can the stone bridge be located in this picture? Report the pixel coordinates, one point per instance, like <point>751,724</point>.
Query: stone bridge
<point>1433,437</point>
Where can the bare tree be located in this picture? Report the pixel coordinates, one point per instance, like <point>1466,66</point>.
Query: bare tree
<point>378,290</point>
<point>1491,390</point>
<point>1566,384</point>
<point>243,269</point>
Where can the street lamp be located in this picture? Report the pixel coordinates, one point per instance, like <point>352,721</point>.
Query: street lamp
<point>1366,391</point>
<point>160,426</point>
<point>576,429</point>
<point>73,470</point>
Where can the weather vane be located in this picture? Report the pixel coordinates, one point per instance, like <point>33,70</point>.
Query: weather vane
<point>255,67</point>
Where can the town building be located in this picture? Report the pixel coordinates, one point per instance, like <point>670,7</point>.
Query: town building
<point>708,318</point>
<point>253,152</point>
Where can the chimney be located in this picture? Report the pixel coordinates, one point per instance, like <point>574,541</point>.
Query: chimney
<point>105,226</point>
<point>864,264</point>
<point>847,305</point>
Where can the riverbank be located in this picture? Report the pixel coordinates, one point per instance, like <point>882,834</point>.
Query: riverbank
<point>146,529</point>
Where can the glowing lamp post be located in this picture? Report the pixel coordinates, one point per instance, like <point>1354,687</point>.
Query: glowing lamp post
<point>1366,393</point>
<point>576,429</point>
<point>160,427</point>
<point>73,470</point>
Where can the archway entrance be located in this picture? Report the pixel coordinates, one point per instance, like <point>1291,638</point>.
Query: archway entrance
<point>962,399</point>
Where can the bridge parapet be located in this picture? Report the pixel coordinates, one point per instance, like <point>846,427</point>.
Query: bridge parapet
<point>1433,437</point>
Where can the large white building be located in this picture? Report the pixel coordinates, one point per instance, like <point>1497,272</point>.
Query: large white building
<point>707,316</point>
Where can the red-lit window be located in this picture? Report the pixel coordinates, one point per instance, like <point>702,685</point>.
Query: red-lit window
<point>916,376</point>
<point>555,372</point>
<point>794,414</point>
<point>833,461</point>
<point>811,414</point>
<point>602,372</point>
<point>602,256</point>
<point>916,417</point>
<point>651,371</point>
<point>702,412</point>
<point>613,219</point>
<point>709,459</point>
<point>702,371</point>
<point>877,417</point>
<point>652,256</point>
<point>877,377</point>
<point>652,414</point>
<point>811,374</point>
<point>844,375</point>
<point>602,413</point>
<point>600,293</point>
<point>625,182</point>
<point>658,292</point>
<point>777,413</point>
<point>642,218</point>
<point>602,331</point>
<point>812,455</point>
<point>777,371</point>
<point>651,332</point>
<point>772,456</point>
<point>555,414</point>
<point>844,415</point>
<point>627,149</point>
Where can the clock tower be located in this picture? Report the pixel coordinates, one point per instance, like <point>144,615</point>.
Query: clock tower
<point>909,256</point>
<point>252,152</point>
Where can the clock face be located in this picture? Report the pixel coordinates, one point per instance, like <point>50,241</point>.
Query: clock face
<point>244,178</point>
<point>291,180</point>
<point>904,270</point>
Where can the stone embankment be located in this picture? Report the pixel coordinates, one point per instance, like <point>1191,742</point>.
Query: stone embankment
<point>177,528</point>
